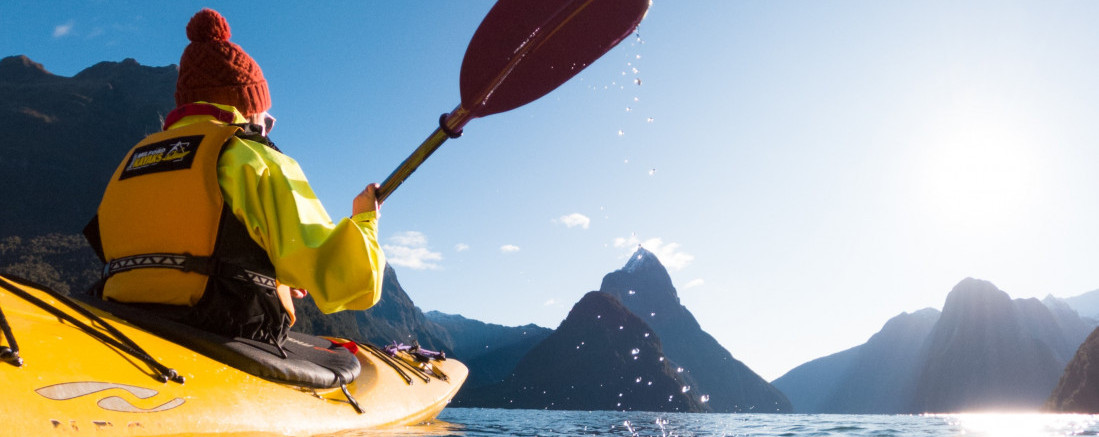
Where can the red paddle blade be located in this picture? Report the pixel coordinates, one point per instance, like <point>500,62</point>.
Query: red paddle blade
<point>526,48</point>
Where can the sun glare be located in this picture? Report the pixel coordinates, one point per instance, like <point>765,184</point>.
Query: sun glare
<point>1021,424</point>
<point>978,174</point>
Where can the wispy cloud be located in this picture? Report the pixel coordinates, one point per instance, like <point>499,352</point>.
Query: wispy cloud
<point>573,220</point>
<point>409,249</point>
<point>695,283</point>
<point>63,29</point>
<point>509,248</point>
<point>549,302</point>
<point>409,238</point>
<point>461,247</point>
<point>669,254</point>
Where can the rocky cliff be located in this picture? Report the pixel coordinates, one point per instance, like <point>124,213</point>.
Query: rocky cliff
<point>1078,389</point>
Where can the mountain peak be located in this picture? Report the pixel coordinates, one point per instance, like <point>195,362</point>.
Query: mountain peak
<point>601,357</point>
<point>21,68</point>
<point>128,69</point>
<point>976,294</point>
<point>640,259</point>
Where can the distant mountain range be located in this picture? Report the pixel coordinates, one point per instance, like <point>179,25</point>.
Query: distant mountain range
<point>631,345</point>
<point>984,351</point>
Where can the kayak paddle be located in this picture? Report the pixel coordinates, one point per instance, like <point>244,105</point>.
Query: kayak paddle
<point>522,50</point>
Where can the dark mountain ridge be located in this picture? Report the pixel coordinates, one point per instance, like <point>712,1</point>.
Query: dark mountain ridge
<point>63,137</point>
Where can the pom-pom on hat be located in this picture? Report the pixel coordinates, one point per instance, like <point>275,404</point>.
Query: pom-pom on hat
<point>212,69</point>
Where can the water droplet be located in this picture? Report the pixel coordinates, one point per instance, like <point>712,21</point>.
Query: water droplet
<point>620,327</point>
<point>637,81</point>
<point>686,388</point>
<point>620,395</point>
<point>638,380</point>
<point>678,370</point>
<point>637,99</point>
<point>620,132</point>
<point>646,335</point>
<point>635,70</point>
<point>637,57</point>
<point>652,314</point>
<point>631,292</point>
<point>649,120</point>
<point>661,359</point>
<point>650,383</point>
<point>635,351</point>
<point>599,316</point>
<point>652,171</point>
<point>704,398</point>
<point>628,109</point>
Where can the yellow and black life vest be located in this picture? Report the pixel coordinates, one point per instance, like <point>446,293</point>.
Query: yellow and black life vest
<point>167,238</point>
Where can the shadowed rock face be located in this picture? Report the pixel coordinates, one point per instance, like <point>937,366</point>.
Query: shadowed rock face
<point>982,356</point>
<point>984,351</point>
<point>877,377</point>
<point>601,357</point>
<point>1078,389</point>
<point>490,351</point>
<point>64,136</point>
<point>395,318</point>
<point>644,287</point>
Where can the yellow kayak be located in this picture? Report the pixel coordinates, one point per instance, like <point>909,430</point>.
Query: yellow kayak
<point>68,373</point>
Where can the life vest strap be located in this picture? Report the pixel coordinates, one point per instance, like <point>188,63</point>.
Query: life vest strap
<point>188,263</point>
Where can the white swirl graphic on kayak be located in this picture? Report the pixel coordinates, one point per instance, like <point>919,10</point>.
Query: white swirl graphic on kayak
<point>72,390</point>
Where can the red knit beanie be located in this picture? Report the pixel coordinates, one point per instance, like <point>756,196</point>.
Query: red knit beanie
<point>212,69</point>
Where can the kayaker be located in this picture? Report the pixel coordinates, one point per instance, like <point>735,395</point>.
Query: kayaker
<point>208,223</point>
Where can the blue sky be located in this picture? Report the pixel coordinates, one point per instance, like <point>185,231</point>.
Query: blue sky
<point>806,170</point>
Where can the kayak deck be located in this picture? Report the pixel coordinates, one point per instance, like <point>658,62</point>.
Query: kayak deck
<point>71,381</point>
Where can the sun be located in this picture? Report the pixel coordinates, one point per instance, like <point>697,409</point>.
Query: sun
<point>980,174</point>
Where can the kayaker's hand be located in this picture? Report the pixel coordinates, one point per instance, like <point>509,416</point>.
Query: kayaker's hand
<point>366,201</point>
<point>298,293</point>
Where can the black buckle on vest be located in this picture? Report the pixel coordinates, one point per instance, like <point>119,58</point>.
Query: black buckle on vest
<point>199,264</point>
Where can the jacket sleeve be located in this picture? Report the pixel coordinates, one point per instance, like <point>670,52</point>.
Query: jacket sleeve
<point>340,264</point>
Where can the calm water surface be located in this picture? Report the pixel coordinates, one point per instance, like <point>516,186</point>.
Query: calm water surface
<point>474,422</point>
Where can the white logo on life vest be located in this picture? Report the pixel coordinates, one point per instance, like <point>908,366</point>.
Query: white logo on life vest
<point>167,155</point>
<point>174,153</point>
